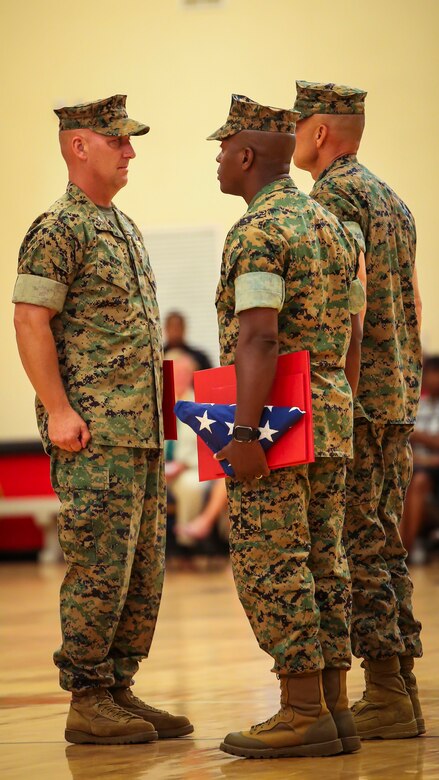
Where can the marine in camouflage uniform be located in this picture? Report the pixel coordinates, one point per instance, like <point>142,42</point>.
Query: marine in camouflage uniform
<point>383,625</point>
<point>88,265</point>
<point>290,255</point>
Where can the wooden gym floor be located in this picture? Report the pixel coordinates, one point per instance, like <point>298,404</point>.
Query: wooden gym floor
<point>204,662</point>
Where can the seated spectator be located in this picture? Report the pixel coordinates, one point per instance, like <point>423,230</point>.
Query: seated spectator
<point>181,468</point>
<point>212,515</point>
<point>175,333</point>
<point>424,486</point>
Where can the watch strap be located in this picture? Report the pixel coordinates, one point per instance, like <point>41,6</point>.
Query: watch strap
<point>245,433</point>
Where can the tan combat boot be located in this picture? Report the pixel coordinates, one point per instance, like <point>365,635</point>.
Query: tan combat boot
<point>166,725</point>
<point>302,727</point>
<point>334,688</point>
<point>385,711</point>
<point>95,718</point>
<point>406,663</point>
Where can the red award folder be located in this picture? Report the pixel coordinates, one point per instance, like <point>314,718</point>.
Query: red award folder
<point>291,387</point>
<point>169,418</point>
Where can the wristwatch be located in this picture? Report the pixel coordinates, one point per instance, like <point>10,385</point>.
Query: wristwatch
<point>245,434</point>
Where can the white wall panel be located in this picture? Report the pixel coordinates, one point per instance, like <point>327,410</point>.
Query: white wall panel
<point>186,264</point>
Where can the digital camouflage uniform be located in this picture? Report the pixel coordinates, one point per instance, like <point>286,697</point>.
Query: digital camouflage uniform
<point>385,409</point>
<point>286,529</point>
<point>244,113</point>
<point>94,271</point>
<point>314,98</point>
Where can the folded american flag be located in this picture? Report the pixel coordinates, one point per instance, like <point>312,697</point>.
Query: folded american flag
<point>214,424</point>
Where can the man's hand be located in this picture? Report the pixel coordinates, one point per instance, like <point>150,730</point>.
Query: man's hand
<point>68,431</point>
<point>255,364</point>
<point>247,459</point>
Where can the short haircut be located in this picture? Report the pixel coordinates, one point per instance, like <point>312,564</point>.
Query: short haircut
<point>177,314</point>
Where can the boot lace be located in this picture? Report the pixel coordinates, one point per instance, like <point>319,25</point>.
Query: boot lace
<point>269,722</point>
<point>139,703</point>
<point>109,708</point>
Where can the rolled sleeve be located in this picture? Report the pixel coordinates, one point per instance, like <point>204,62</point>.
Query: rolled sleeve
<point>259,289</point>
<point>357,234</point>
<point>40,291</point>
<point>357,297</point>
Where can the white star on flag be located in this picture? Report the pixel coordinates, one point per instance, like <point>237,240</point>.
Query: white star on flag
<point>266,432</point>
<point>230,427</point>
<point>270,408</point>
<point>205,422</point>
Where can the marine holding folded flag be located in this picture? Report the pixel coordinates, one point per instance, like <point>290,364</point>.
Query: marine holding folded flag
<point>214,424</point>
<point>288,283</point>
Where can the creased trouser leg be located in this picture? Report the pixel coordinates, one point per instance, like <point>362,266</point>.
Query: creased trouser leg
<point>105,509</point>
<point>270,546</point>
<point>398,460</point>
<point>328,561</point>
<point>382,617</point>
<point>137,622</point>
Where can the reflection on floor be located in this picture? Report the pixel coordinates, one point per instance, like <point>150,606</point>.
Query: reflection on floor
<point>205,663</point>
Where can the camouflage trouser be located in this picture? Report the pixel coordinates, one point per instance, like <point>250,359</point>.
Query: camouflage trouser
<point>289,564</point>
<point>112,533</point>
<point>377,479</point>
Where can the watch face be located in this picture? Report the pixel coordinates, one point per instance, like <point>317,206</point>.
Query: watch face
<point>244,433</point>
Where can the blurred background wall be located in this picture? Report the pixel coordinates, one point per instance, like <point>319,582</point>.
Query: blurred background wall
<point>179,62</point>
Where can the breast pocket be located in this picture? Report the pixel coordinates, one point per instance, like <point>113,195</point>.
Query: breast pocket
<point>113,270</point>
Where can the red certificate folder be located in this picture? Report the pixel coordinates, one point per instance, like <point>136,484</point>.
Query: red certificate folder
<point>169,418</point>
<point>291,387</point>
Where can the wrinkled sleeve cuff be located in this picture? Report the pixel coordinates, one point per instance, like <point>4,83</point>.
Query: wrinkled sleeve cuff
<point>357,297</point>
<point>39,291</point>
<point>357,234</point>
<point>259,289</point>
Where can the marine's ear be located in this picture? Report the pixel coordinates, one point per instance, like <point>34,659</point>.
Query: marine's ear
<point>248,156</point>
<point>320,135</point>
<point>79,147</point>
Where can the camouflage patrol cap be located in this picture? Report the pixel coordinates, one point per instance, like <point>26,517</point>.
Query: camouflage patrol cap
<point>245,114</point>
<point>314,98</point>
<point>107,117</point>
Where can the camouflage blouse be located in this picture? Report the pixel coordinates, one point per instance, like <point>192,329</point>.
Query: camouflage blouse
<point>286,234</point>
<point>107,331</point>
<point>391,351</point>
